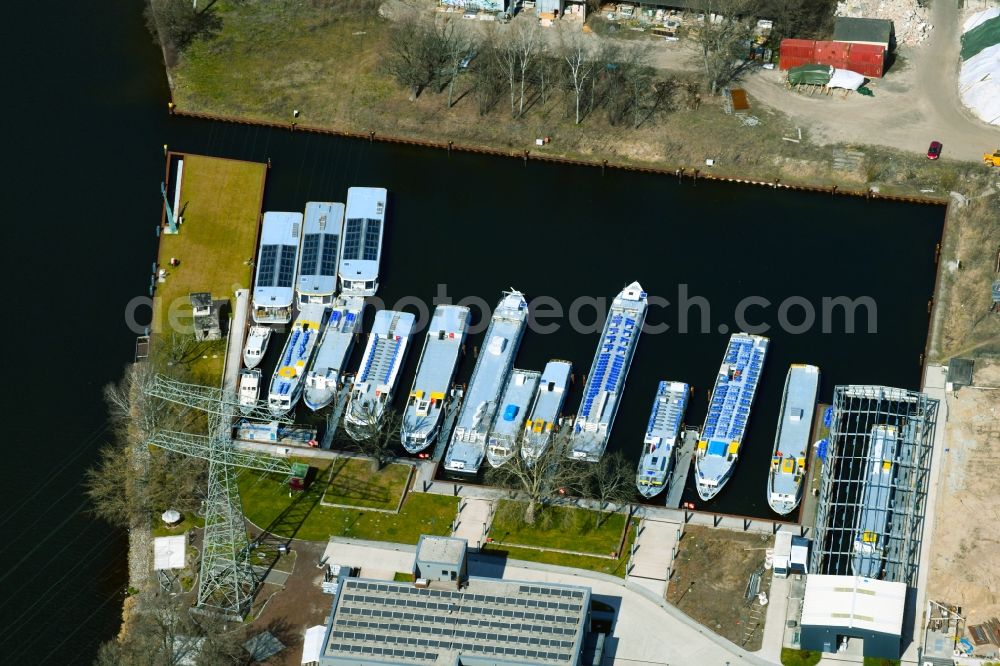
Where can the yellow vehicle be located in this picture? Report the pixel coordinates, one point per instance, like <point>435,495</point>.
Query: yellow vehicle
<point>992,160</point>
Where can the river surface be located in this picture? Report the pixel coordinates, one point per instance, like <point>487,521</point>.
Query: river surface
<point>86,124</point>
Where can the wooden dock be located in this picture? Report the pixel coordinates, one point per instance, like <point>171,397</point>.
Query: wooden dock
<point>685,456</point>
<point>444,434</point>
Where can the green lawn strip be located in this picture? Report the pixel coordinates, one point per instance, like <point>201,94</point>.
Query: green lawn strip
<point>187,522</point>
<point>790,657</point>
<point>265,498</point>
<point>220,200</point>
<point>564,528</point>
<point>598,564</point>
<point>402,577</point>
<point>354,482</point>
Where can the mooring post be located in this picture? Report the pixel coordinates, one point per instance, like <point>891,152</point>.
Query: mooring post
<point>450,144</point>
<point>525,158</point>
<point>604,166</point>
<point>170,108</point>
<point>371,136</point>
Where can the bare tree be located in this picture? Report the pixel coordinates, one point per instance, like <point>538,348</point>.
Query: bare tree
<point>552,475</point>
<point>505,54</point>
<point>612,482</point>
<point>525,42</point>
<point>724,40</point>
<point>376,435</point>
<point>580,67</point>
<point>420,52</point>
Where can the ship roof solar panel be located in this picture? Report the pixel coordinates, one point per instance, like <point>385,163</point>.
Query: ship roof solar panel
<point>286,268</point>
<point>268,261</point>
<point>310,254</point>
<point>352,238</point>
<point>373,231</point>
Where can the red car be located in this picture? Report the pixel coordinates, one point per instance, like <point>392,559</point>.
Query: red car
<point>934,151</point>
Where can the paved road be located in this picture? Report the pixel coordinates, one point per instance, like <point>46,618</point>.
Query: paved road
<point>911,107</point>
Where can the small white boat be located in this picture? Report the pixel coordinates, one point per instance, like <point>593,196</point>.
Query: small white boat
<point>256,345</point>
<point>249,389</point>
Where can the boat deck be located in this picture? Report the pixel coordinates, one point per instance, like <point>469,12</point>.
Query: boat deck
<point>276,264</point>
<point>547,407</point>
<point>602,392</point>
<point>493,367</point>
<point>435,372</point>
<point>662,430</point>
<point>383,359</point>
<point>297,352</point>
<point>729,408</point>
<point>509,420</point>
<point>872,534</point>
<point>361,251</point>
<point>791,443</point>
<point>317,280</point>
<point>335,346</point>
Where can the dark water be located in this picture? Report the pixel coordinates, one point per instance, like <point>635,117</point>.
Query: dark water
<point>86,124</point>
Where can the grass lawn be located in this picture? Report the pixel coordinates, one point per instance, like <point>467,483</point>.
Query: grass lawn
<point>354,482</point>
<point>267,505</point>
<point>221,202</point>
<point>599,564</point>
<point>790,657</point>
<point>402,577</point>
<point>560,527</point>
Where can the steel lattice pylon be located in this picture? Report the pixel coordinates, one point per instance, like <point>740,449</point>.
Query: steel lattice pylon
<point>227,579</point>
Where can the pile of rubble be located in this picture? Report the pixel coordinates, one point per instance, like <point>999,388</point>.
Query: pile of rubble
<point>908,18</point>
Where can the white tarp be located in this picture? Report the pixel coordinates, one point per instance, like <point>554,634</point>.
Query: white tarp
<point>845,78</point>
<point>168,552</point>
<point>980,18</point>
<point>312,646</point>
<point>979,84</point>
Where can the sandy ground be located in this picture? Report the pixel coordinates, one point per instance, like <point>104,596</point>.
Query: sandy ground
<point>965,555</point>
<point>911,107</point>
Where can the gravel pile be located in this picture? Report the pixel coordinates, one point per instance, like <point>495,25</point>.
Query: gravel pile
<point>909,20</point>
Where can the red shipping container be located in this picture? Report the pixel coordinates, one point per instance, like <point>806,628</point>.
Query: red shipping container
<point>802,48</point>
<point>832,52</point>
<point>787,62</point>
<point>872,70</point>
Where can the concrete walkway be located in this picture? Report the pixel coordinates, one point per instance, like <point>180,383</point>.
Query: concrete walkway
<point>774,622</point>
<point>473,521</point>
<point>646,632</point>
<point>655,548</point>
<point>234,346</point>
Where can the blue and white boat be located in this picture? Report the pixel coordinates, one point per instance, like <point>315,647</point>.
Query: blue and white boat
<point>546,410</point>
<point>286,382</point>
<point>791,441</point>
<point>509,420</point>
<point>666,420</point>
<point>274,284</point>
<point>361,249</point>
<point>612,360</point>
<point>467,446</point>
<point>381,367</point>
<point>327,375</point>
<point>431,396</point>
<point>728,411</point>
<point>871,538</point>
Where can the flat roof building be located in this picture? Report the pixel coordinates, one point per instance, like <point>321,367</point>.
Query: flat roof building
<point>441,559</point>
<point>482,622</point>
<point>835,608</point>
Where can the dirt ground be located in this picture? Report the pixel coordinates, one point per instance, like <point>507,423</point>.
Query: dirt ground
<point>965,555</point>
<point>300,604</point>
<point>710,577</point>
<point>917,101</point>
